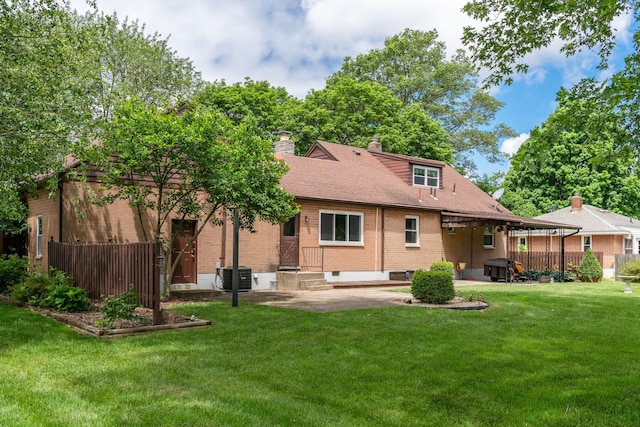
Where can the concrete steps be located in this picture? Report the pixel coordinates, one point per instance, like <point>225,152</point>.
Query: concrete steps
<point>301,280</point>
<point>315,285</point>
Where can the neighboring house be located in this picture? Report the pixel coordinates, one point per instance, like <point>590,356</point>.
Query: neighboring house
<point>365,214</point>
<point>601,230</point>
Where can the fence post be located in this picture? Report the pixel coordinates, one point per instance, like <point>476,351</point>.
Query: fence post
<point>158,263</point>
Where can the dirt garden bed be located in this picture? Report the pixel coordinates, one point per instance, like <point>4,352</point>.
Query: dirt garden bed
<point>87,321</point>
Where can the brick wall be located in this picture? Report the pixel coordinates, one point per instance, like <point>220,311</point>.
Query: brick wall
<point>608,244</point>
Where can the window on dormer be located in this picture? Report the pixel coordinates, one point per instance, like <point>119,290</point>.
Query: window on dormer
<point>425,176</point>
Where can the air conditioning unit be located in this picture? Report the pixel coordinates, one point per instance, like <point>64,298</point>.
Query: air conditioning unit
<point>244,274</point>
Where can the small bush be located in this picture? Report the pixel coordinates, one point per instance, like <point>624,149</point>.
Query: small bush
<point>64,297</point>
<point>122,307</point>
<point>631,268</point>
<point>590,269</point>
<point>442,266</point>
<point>433,287</point>
<point>13,269</point>
<point>33,290</point>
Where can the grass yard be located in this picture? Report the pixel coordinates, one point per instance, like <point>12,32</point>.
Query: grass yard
<point>541,355</point>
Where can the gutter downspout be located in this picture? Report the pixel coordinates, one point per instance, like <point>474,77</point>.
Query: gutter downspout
<point>562,253</point>
<point>382,238</point>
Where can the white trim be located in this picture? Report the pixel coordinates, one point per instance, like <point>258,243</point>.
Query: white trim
<point>341,242</point>
<point>493,233</point>
<point>417,231</point>
<point>582,245</point>
<point>426,177</point>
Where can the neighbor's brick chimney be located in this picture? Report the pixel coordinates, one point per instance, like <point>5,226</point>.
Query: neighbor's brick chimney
<point>375,145</point>
<point>285,145</point>
<point>576,202</point>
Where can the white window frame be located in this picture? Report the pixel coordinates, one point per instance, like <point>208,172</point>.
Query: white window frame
<point>426,177</point>
<point>586,245</point>
<point>415,244</point>
<point>39,240</point>
<point>489,231</point>
<point>522,241</point>
<point>334,242</point>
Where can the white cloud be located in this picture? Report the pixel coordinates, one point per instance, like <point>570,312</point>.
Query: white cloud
<point>510,146</point>
<point>290,43</point>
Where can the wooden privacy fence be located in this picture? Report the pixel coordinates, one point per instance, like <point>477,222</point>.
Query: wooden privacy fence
<point>111,268</point>
<point>549,260</point>
<point>622,259</point>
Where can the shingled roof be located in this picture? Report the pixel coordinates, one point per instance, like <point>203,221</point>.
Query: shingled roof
<point>594,220</point>
<point>340,173</point>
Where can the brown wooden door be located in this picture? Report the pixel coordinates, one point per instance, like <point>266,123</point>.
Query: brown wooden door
<point>186,271</point>
<point>289,240</point>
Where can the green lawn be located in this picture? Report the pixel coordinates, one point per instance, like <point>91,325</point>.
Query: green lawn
<point>541,355</point>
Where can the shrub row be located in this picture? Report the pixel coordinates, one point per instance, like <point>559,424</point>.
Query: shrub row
<point>43,290</point>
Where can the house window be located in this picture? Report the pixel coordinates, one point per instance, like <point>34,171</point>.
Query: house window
<point>425,177</point>
<point>522,244</point>
<point>39,236</point>
<point>586,243</point>
<point>341,227</point>
<point>488,238</point>
<point>412,231</point>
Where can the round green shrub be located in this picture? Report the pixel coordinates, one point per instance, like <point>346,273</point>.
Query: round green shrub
<point>631,268</point>
<point>590,269</point>
<point>433,287</point>
<point>445,266</point>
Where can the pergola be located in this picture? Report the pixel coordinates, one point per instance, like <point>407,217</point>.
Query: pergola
<point>511,223</point>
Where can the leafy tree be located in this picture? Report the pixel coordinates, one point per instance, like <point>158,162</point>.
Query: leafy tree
<point>579,149</point>
<point>513,29</point>
<point>61,75</point>
<point>271,107</point>
<point>127,63</point>
<point>199,163</point>
<point>414,67</point>
<point>40,100</point>
<point>352,113</point>
<point>490,183</point>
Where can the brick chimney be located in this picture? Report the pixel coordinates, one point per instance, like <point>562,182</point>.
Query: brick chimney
<point>576,202</point>
<point>375,145</point>
<point>285,145</point>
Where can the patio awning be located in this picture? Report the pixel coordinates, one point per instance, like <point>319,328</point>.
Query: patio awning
<point>513,222</point>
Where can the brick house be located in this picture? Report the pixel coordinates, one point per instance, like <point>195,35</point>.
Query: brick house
<point>601,230</point>
<point>364,213</point>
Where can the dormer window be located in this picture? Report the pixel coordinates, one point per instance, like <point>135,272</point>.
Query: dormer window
<point>425,177</point>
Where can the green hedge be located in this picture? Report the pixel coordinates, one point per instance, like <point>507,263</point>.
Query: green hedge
<point>433,287</point>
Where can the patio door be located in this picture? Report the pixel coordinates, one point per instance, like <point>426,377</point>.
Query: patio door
<point>289,242</point>
<point>186,271</point>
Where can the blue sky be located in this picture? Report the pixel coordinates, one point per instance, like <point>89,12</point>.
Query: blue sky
<point>298,43</point>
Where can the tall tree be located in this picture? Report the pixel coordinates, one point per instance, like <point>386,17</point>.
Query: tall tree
<point>579,149</point>
<point>199,163</point>
<point>271,107</point>
<point>415,68</point>
<point>61,75</point>
<point>126,62</point>
<point>352,113</point>
<point>512,29</point>
<point>41,98</point>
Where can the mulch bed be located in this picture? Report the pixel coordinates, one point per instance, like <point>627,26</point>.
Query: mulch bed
<point>86,321</point>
